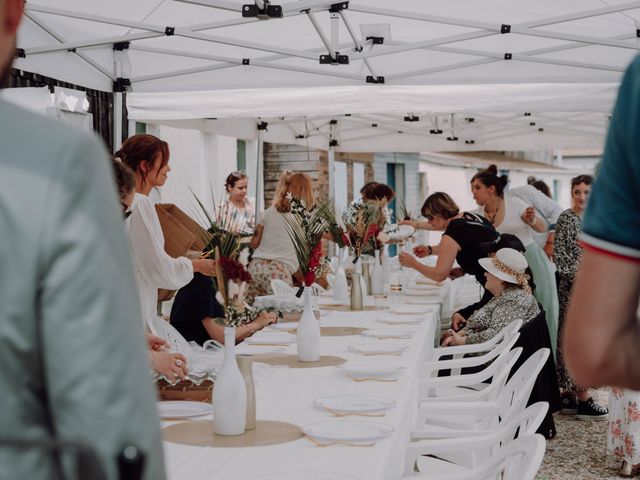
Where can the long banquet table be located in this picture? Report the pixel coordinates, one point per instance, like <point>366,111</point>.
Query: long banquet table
<point>287,394</point>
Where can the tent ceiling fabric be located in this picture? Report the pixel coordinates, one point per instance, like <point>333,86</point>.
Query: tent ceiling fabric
<point>462,57</point>
<point>480,117</point>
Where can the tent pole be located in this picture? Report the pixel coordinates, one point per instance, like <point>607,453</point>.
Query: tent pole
<point>117,104</point>
<point>331,168</point>
<point>117,120</point>
<point>259,189</point>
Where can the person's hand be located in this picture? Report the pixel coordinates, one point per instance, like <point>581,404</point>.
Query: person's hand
<point>204,266</point>
<point>456,273</point>
<point>421,251</point>
<point>156,344</point>
<point>408,260</point>
<point>454,339</point>
<point>265,319</point>
<point>529,216</point>
<point>457,322</point>
<point>446,334</point>
<point>172,365</point>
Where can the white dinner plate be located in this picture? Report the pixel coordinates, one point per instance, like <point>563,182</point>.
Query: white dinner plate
<point>361,372</point>
<point>284,327</point>
<point>355,404</point>
<point>408,309</point>
<point>429,282</point>
<point>399,232</point>
<point>384,333</point>
<point>274,338</point>
<point>423,300</point>
<point>183,409</point>
<point>305,476</point>
<point>350,432</point>
<point>377,349</point>
<point>403,320</point>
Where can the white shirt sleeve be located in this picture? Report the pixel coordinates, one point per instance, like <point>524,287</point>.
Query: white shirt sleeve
<point>549,209</point>
<point>517,205</point>
<point>147,242</point>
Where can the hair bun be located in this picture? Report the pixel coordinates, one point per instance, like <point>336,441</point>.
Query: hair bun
<point>504,180</point>
<point>492,169</point>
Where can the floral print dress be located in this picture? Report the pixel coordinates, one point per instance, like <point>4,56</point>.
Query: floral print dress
<point>623,439</point>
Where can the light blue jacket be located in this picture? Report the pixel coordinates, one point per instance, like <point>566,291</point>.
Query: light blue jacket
<point>73,364</point>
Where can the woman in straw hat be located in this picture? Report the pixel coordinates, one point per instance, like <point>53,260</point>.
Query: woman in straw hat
<point>513,300</point>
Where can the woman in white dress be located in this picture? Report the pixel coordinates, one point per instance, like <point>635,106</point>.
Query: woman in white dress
<point>170,364</point>
<point>512,215</point>
<point>148,157</point>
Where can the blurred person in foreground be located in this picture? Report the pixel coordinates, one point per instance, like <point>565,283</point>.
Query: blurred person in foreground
<point>602,332</point>
<point>72,363</point>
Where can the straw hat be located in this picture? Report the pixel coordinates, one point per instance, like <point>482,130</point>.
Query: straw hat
<point>508,265</point>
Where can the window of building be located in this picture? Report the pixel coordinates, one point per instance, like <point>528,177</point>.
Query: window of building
<point>241,150</point>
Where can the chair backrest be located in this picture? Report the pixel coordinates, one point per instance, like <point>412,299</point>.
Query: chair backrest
<point>519,460</point>
<point>484,448</point>
<point>523,423</point>
<point>280,287</point>
<point>489,393</point>
<point>515,394</point>
<point>506,333</point>
<point>498,380</point>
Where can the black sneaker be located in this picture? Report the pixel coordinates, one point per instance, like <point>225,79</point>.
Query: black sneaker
<point>590,410</point>
<point>569,404</point>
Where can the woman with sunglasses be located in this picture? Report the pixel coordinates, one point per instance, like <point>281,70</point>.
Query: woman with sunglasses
<point>462,240</point>
<point>238,212</point>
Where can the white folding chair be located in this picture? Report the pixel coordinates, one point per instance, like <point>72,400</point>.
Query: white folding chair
<point>459,350</point>
<point>437,457</point>
<point>494,359</point>
<point>518,460</point>
<point>454,419</point>
<point>498,374</point>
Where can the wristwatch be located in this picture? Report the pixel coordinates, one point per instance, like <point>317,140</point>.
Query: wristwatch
<point>429,250</point>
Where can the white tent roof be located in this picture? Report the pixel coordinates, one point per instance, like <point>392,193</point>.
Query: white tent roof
<point>492,61</point>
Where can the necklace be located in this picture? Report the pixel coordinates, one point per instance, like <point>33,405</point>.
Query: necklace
<point>492,218</point>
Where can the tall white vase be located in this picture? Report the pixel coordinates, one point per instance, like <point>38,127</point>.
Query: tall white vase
<point>363,282</point>
<point>308,336</point>
<point>377,276</point>
<point>340,288</point>
<point>386,269</point>
<point>229,393</point>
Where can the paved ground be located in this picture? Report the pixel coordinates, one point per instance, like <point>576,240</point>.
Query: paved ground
<point>579,450</point>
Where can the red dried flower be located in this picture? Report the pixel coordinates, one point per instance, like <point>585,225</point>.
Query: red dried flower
<point>309,278</point>
<point>233,270</point>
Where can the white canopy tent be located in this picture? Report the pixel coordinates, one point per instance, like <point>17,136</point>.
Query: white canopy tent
<point>471,70</point>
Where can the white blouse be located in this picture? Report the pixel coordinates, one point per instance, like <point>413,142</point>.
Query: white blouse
<point>513,223</point>
<point>153,268</point>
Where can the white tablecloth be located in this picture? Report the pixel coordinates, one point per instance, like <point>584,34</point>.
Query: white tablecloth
<point>285,394</point>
